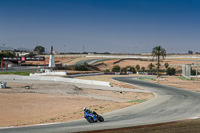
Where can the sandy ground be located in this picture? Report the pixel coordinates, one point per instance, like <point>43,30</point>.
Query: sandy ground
<point>58,60</point>
<point>57,102</point>
<point>44,103</point>
<point>173,63</point>
<point>175,81</point>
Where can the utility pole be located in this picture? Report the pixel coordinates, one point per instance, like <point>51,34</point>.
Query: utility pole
<point>196,69</point>
<point>64,50</point>
<point>83,48</point>
<point>4,45</point>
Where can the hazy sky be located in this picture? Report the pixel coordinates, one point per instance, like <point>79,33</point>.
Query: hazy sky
<point>133,26</point>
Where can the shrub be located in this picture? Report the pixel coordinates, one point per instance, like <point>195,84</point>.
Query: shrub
<point>81,68</point>
<point>171,71</point>
<point>193,72</point>
<point>116,68</point>
<point>107,70</point>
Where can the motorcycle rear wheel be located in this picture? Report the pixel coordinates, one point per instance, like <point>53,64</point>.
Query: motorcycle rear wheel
<point>100,118</point>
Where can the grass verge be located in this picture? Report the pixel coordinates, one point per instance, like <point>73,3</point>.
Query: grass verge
<point>138,101</point>
<point>183,78</point>
<point>17,73</point>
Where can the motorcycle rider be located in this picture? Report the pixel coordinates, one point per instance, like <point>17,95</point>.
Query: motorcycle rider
<point>89,111</point>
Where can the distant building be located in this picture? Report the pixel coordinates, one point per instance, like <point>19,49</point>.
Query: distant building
<point>21,53</point>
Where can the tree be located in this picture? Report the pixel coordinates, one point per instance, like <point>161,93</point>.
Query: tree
<point>166,65</point>
<point>8,54</point>
<point>116,68</point>
<point>150,66</point>
<point>157,52</point>
<point>39,49</point>
<point>137,67</point>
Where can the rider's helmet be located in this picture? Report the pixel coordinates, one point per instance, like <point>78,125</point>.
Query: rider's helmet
<point>85,109</point>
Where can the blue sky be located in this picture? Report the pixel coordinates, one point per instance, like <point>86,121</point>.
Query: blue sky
<point>133,26</point>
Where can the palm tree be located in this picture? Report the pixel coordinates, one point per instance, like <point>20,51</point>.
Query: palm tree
<point>157,52</point>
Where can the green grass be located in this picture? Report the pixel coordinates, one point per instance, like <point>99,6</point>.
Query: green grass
<point>138,101</point>
<point>17,73</point>
<point>183,78</point>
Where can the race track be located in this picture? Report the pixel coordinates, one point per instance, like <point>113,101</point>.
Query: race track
<point>170,104</point>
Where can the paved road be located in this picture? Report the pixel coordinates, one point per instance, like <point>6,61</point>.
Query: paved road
<point>170,104</point>
<point>21,68</point>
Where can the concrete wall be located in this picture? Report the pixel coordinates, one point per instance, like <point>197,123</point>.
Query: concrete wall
<point>186,71</point>
<point>126,56</point>
<point>49,73</point>
<point>60,79</point>
<point>87,74</point>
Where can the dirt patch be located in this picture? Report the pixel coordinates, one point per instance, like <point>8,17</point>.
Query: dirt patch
<point>175,81</point>
<point>189,126</point>
<point>172,62</point>
<point>58,60</point>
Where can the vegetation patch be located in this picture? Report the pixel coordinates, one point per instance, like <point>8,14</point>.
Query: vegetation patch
<point>138,101</point>
<point>17,73</point>
<point>183,78</point>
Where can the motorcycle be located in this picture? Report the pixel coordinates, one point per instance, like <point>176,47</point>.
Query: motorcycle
<point>91,118</point>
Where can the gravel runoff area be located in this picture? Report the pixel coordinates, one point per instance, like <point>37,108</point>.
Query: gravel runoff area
<point>37,102</point>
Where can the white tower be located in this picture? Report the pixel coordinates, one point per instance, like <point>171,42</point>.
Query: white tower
<point>51,59</point>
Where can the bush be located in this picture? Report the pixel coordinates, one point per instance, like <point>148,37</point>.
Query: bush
<point>193,72</point>
<point>171,71</point>
<point>107,70</point>
<point>116,68</point>
<point>81,68</point>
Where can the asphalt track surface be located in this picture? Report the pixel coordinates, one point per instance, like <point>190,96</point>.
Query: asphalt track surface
<point>170,104</point>
<point>21,68</point>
